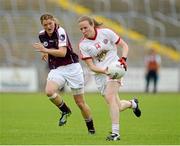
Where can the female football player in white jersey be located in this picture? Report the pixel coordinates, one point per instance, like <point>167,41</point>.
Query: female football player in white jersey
<point>64,68</point>
<point>98,49</point>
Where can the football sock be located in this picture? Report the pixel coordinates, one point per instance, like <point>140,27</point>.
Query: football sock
<point>115,128</point>
<point>134,105</point>
<point>63,107</point>
<point>89,124</point>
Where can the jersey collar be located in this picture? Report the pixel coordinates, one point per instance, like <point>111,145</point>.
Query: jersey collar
<point>94,37</point>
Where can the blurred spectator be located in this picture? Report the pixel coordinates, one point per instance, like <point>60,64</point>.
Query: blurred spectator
<point>152,64</point>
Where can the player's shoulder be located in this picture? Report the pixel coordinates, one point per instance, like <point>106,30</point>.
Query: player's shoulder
<point>83,40</point>
<point>108,32</point>
<point>104,29</point>
<point>60,30</point>
<point>41,32</point>
<point>83,43</point>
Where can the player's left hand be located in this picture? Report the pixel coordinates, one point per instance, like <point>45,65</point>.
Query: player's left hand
<point>123,62</point>
<point>44,56</point>
<point>106,71</point>
<point>39,47</point>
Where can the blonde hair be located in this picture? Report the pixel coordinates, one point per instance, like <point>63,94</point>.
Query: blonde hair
<point>91,21</point>
<point>49,16</point>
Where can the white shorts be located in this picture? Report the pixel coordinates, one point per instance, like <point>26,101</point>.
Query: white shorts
<point>101,82</point>
<point>71,74</point>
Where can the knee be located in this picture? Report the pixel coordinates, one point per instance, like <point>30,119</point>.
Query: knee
<point>50,93</point>
<point>110,100</point>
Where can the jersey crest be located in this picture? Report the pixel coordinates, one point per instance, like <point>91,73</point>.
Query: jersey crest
<point>102,55</point>
<point>97,45</point>
<point>62,37</point>
<point>105,41</point>
<point>45,44</point>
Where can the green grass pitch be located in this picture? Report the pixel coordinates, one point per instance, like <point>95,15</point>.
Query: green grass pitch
<point>29,118</point>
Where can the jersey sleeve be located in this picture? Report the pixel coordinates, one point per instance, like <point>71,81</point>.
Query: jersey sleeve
<point>62,37</point>
<point>112,36</point>
<point>41,33</point>
<point>84,52</point>
<point>40,38</point>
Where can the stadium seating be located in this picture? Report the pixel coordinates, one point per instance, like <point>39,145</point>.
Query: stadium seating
<point>157,20</point>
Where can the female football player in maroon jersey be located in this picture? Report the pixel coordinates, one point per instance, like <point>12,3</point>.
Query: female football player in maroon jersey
<point>64,68</point>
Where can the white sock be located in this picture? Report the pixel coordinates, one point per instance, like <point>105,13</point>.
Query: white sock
<point>134,105</point>
<point>115,128</point>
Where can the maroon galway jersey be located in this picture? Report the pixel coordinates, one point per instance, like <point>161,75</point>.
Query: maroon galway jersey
<point>58,39</point>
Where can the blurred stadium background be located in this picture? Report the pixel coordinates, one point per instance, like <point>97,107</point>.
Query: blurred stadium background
<point>144,24</point>
<point>29,118</point>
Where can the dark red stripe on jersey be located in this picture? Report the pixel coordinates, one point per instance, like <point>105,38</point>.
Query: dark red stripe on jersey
<point>118,41</point>
<point>94,37</point>
<point>85,58</point>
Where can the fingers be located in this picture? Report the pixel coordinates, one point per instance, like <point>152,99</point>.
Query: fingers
<point>39,47</point>
<point>122,61</point>
<point>44,57</point>
<point>106,71</point>
<point>124,66</point>
<point>37,50</point>
<point>35,45</point>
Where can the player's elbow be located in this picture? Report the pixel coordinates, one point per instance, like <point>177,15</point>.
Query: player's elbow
<point>62,52</point>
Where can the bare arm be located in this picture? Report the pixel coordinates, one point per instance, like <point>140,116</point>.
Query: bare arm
<point>61,52</point>
<point>125,50</point>
<point>125,47</point>
<point>94,68</point>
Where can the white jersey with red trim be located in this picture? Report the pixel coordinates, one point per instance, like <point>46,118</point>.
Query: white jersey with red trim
<point>102,48</point>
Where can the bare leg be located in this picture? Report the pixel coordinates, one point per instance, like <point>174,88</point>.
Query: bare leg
<point>123,104</point>
<point>85,111</point>
<point>110,97</point>
<point>51,92</point>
